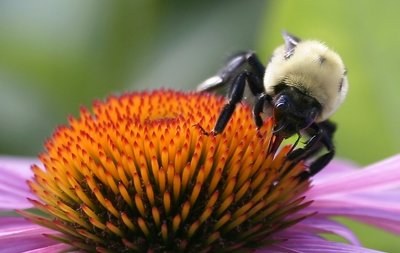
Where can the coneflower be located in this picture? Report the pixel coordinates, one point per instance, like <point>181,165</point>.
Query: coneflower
<point>137,174</point>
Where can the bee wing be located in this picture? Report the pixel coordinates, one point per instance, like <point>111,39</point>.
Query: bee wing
<point>211,84</point>
<point>221,83</point>
<point>222,80</point>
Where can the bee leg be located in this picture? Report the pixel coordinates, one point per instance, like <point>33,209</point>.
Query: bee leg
<point>328,129</point>
<point>317,165</point>
<point>321,136</point>
<point>241,69</point>
<point>235,95</point>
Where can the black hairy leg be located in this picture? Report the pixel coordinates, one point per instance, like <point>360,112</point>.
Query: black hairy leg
<point>244,68</point>
<point>321,135</point>
<point>234,97</point>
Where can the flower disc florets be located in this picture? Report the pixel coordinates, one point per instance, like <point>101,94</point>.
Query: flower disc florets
<point>138,175</point>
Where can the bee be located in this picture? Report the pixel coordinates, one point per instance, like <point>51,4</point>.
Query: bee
<point>303,84</point>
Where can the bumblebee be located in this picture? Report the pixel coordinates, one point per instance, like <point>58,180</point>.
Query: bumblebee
<point>303,84</point>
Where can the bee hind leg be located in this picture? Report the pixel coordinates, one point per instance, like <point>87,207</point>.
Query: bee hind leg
<point>321,136</point>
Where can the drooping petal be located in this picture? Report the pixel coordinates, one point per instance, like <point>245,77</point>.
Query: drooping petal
<point>379,176</point>
<point>387,220</point>
<point>318,224</point>
<point>385,200</point>
<point>18,165</point>
<point>333,169</point>
<point>370,195</point>
<point>301,242</point>
<point>19,235</point>
<point>13,188</point>
<point>49,249</point>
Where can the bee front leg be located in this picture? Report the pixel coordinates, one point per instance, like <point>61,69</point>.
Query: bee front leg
<point>235,96</point>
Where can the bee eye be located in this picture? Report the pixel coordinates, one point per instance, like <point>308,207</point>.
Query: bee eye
<point>282,103</point>
<point>314,113</point>
<point>310,118</point>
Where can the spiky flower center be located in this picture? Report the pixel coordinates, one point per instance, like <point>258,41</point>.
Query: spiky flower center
<point>137,175</point>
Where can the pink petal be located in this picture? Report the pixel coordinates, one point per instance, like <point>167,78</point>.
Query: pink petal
<point>334,168</point>
<point>301,242</point>
<point>19,165</point>
<point>19,235</point>
<point>379,176</point>
<point>15,225</point>
<point>316,224</point>
<point>386,200</point>
<point>13,188</point>
<point>53,248</point>
<point>387,220</point>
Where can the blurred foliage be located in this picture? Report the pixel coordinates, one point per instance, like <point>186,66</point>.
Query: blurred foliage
<point>58,55</point>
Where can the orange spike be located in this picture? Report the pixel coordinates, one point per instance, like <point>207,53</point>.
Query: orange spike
<point>222,221</point>
<point>164,232</point>
<point>156,215</point>
<point>167,202</point>
<point>225,204</point>
<point>150,194</point>
<point>113,228</point>
<point>230,185</point>
<point>125,195</point>
<point>143,227</point>
<point>111,208</point>
<point>193,228</point>
<point>242,191</point>
<point>128,222</point>
<point>176,221</point>
<point>185,210</point>
<point>140,205</point>
<point>195,193</point>
<point>176,187</point>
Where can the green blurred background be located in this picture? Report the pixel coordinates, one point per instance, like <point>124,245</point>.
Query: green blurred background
<point>58,55</point>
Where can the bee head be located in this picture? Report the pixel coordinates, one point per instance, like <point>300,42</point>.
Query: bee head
<point>294,111</point>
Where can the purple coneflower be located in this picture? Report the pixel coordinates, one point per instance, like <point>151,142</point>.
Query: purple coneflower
<point>137,175</point>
